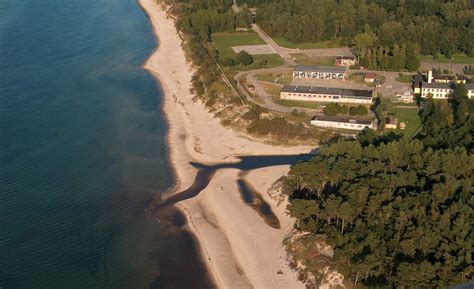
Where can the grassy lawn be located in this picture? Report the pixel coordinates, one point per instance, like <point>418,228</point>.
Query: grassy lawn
<point>301,58</point>
<point>297,103</point>
<point>271,60</point>
<point>357,77</point>
<point>456,58</point>
<point>225,40</point>
<point>409,117</point>
<point>284,77</point>
<point>404,78</point>
<point>283,42</point>
<point>272,89</point>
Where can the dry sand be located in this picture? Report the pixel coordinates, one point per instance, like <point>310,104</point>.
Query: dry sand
<point>240,249</point>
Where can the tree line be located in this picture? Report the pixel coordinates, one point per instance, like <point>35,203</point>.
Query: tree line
<point>398,213</point>
<point>421,26</point>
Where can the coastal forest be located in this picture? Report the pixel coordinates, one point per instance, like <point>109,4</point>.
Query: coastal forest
<point>398,213</point>
<point>386,34</point>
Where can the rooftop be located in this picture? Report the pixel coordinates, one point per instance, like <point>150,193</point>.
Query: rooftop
<point>329,69</point>
<point>370,75</point>
<point>345,57</point>
<point>341,119</point>
<point>451,85</point>
<point>328,91</point>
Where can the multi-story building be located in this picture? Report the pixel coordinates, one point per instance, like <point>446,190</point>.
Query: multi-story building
<point>319,72</point>
<point>343,123</point>
<point>326,94</point>
<point>442,88</point>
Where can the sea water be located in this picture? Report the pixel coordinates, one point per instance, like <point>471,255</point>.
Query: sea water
<point>82,152</point>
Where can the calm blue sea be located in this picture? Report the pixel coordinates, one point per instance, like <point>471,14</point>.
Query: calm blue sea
<point>82,152</point>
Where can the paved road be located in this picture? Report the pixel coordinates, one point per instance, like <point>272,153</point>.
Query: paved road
<point>390,86</point>
<point>285,52</point>
<point>456,68</point>
<point>280,50</point>
<point>251,79</point>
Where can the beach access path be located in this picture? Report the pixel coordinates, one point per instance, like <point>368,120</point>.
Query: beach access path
<point>238,247</point>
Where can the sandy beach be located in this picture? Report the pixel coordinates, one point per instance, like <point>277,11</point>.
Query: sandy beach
<point>239,248</point>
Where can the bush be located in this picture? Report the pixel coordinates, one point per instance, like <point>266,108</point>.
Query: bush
<point>244,58</point>
<point>412,63</point>
<point>334,109</point>
<point>360,110</point>
<point>330,110</point>
<point>228,61</point>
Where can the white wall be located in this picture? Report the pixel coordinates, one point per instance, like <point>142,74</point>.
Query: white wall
<point>321,98</point>
<point>340,125</point>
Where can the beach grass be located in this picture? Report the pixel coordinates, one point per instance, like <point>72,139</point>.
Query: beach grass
<point>223,42</point>
<point>283,42</point>
<point>455,59</point>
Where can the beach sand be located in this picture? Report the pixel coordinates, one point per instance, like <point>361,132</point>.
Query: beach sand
<point>238,247</point>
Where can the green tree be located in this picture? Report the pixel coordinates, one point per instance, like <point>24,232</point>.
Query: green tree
<point>244,58</point>
<point>412,63</point>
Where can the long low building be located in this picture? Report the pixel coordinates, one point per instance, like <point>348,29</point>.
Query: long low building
<point>326,94</point>
<point>319,72</point>
<point>342,123</point>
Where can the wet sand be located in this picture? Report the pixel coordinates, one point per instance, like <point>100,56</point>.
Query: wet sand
<point>239,248</point>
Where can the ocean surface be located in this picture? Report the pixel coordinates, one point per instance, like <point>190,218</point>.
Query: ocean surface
<point>82,152</point>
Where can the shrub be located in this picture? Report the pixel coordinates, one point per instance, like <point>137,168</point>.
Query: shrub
<point>244,58</point>
<point>228,61</point>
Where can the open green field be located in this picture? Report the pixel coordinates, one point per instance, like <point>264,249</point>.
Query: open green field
<point>301,58</point>
<point>404,78</point>
<point>264,61</point>
<point>224,41</point>
<point>410,117</point>
<point>297,103</point>
<point>283,42</point>
<point>284,77</point>
<point>456,58</point>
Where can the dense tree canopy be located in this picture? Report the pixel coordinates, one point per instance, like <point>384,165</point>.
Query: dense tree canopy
<point>448,124</point>
<point>398,213</point>
<point>385,34</point>
<point>432,25</point>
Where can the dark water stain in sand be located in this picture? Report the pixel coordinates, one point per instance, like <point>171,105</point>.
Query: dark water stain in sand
<point>246,163</point>
<point>255,200</point>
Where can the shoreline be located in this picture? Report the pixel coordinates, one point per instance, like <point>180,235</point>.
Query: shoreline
<point>223,226</point>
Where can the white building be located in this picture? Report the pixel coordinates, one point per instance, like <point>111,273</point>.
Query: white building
<point>342,123</point>
<point>441,90</point>
<point>319,72</point>
<point>326,94</point>
<point>346,61</point>
<point>406,96</point>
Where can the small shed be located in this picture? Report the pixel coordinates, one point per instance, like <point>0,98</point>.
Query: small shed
<point>391,123</point>
<point>370,77</point>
